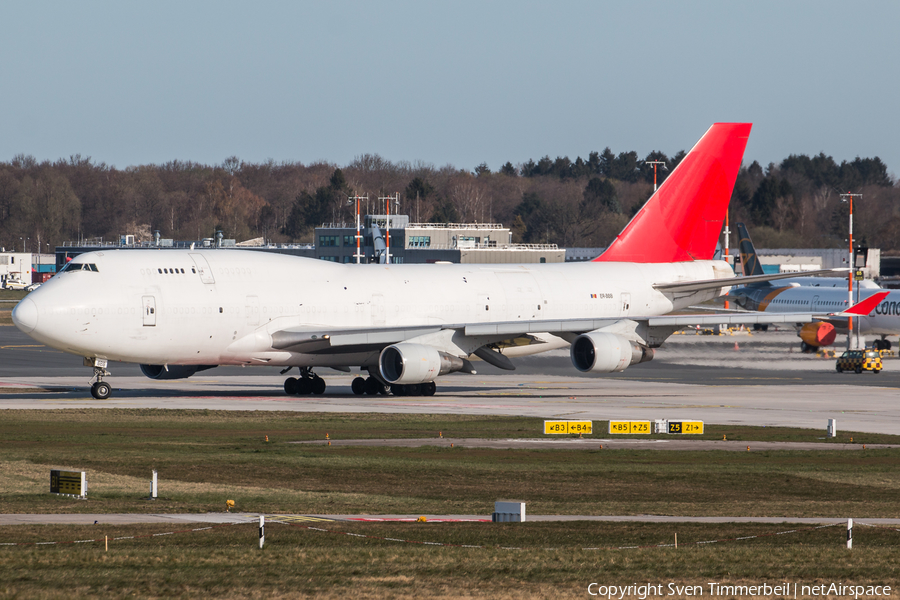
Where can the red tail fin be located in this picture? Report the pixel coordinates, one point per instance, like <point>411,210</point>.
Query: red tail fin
<point>868,305</point>
<point>683,219</point>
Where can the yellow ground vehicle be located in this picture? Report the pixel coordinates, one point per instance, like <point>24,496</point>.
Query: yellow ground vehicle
<point>859,361</point>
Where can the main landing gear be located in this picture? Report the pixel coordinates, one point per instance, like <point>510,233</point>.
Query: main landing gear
<point>100,389</point>
<point>307,383</point>
<point>371,386</point>
<point>882,344</point>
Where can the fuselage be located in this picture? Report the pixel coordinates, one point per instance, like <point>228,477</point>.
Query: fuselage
<point>883,320</point>
<point>215,307</point>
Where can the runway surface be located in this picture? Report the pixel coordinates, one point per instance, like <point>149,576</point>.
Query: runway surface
<point>742,379</point>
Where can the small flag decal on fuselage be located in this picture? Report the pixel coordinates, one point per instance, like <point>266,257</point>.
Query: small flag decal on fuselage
<point>593,295</point>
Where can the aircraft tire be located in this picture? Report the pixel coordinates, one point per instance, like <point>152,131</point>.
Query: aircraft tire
<point>372,386</point>
<point>290,386</point>
<point>101,390</point>
<point>428,389</point>
<point>398,390</point>
<point>304,386</point>
<point>383,389</point>
<point>358,386</point>
<point>318,386</point>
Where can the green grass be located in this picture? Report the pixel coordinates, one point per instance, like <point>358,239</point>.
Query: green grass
<point>549,559</point>
<point>206,457</point>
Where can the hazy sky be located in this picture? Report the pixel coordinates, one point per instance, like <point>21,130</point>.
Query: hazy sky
<point>460,82</point>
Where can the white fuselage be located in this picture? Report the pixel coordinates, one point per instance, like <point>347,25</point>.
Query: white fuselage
<point>883,320</point>
<point>215,307</point>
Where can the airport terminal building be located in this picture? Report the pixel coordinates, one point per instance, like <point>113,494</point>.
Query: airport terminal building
<point>411,243</point>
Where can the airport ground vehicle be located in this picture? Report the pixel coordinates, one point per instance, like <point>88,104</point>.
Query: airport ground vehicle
<point>15,284</point>
<point>859,361</point>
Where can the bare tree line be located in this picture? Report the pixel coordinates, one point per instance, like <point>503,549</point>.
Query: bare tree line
<point>794,203</point>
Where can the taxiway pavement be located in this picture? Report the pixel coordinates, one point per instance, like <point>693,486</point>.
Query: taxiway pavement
<point>744,379</point>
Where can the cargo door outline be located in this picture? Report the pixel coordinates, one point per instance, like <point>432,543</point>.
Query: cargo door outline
<point>379,313</point>
<point>251,304</point>
<point>148,310</point>
<point>206,274</point>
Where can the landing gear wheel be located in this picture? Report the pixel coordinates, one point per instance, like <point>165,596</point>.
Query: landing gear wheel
<point>304,386</point>
<point>372,385</point>
<point>398,390</point>
<point>318,386</point>
<point>101,390</point>
<point>358,386</point>
<point>428,389</point>
<point>290,386</point>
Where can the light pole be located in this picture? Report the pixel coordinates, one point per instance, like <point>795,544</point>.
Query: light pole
<point>24,241</point>
<point>849,199</point>
<point>655,163</point>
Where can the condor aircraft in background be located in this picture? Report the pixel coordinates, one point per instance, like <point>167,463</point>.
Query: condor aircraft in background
<point>825,297</point>
<point>177,312</point>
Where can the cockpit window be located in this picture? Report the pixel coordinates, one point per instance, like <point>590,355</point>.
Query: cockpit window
<point>74,266</point>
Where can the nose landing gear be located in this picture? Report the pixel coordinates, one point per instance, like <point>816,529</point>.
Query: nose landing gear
<point>100,389</point>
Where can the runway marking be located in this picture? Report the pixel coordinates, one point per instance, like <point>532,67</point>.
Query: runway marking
<point>23,346</point>
<point>297,519</point>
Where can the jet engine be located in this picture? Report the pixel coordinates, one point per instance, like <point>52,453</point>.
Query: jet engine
<point>601,352</point>
<point>173,371</point>
<point>415,363</point>
<point>818,334</point>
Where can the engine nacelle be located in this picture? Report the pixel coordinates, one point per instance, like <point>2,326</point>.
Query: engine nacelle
<point>415,363</point>
<point>173,371</point>
<point>601,352</point>
<point>818,334</point>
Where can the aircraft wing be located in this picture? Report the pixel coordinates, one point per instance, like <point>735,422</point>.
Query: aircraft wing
<point>327,340</point>
<point>693,286</point>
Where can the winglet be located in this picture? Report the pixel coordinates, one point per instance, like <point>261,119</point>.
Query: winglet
<point>682,221</point>
<point>866,306</point>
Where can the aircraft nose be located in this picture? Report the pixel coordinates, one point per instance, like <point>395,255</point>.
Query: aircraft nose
<point>25,315</point>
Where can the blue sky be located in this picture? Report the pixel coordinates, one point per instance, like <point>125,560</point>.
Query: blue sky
<point>457,83</point>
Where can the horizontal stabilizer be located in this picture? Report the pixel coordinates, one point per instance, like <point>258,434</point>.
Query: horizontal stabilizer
<point>865,307</point>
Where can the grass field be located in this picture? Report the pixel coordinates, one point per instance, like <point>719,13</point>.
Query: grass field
<point>206,457</point>
<point>550,560</point>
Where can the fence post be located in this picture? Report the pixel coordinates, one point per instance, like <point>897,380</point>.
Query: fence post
<point>262,531</point>
<point>849,533</point>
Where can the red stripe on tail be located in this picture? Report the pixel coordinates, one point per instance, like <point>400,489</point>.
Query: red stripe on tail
<point>868,305</point>
<point>683,219</point>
